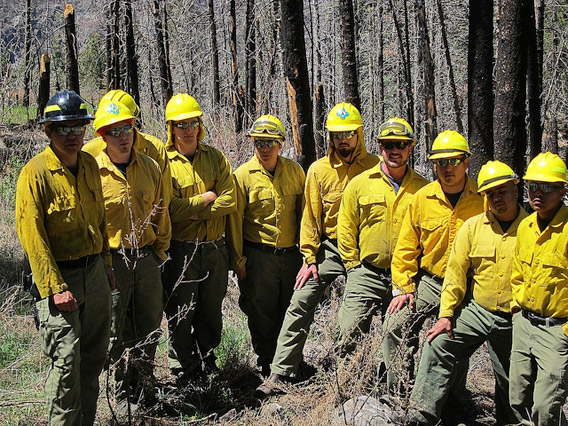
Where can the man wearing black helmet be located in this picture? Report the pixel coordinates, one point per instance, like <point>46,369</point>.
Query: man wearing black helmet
<point>61,223</point>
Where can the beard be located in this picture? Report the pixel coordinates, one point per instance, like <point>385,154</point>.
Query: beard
<point>345,152</point>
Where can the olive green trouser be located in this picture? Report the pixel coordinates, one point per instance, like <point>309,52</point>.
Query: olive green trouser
<point>300,314</point>
<point>473,326</point>
<point>76,342</point>
<point>402,330</point>
<point>367,289</point>
<point>539,373</point>
<point>136,316</point>
<point>265,296</point>
<point>195,286</point>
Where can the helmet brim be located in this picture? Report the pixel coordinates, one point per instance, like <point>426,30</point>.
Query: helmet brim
<point>543,178</point>
<point>66,118</point>
<point>495,184</point>
<point>343,127</point>
<point>185,116</point>
<point>265,135</point>
<point>451,154</point>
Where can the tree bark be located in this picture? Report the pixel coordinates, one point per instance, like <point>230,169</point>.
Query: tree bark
<point>551,141</point>
<point>43,92</point>
<point>131,57</point>
<point>348,54</point>
<point>480,83</point>
<point>214,53</point>
<point>234,68</point>
<point>165,82</point>
<point>115,82</point>
<point>296,71</point>
<point>534,78</point>
<point>27,55</point>
<point>320,117</point>
<point>71,61</point>
<point>250,49</point>
<point>510,84</point>
<point>380,66</point>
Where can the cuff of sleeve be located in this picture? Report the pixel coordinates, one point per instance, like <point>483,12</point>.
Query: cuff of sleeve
<point>515,306</point>
<point>309,260</point>
<point>405,289</point>
<point>239,263</point>
<point>446,313</point>
<point>351,264</point>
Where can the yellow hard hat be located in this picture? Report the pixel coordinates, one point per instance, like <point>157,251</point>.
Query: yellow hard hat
<point>449,144</point>
<point>181,107</point>
<point>494,173</point>
<point>343,117</point>
<point>546,167</point>
<point>396,128</point>
<point>124,98</point>
<point>267,126</point>
<point>110,112</point>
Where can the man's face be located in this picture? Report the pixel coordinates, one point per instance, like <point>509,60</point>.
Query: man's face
<point>502,200</point>
<point>119,138</point>
<point>545,198</point>
<point>66,145</point>
<point>395,152</point>
<point>267,151</point>
<point>344,142</point>
<point>452,176</point>
<point>185,134</point>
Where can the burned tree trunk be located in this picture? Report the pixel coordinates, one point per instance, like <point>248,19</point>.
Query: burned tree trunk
<point>349,60</point>
<point>159,25</point>
<point>234,68</point>
<point>214,53</point>
<point>131,57</point>
<point>71,61</point>
<point>43,92</point>
<point>428,76</point>
<point>380,65</point>
<point>480,83</point>
<point>534,78</point>
<point>114,15</point>
<point>250,50</point>
<point>296,72</point>
<point>27,53</point>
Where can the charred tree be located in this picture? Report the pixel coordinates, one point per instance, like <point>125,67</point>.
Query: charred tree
<point>159,25</point>
<point>43,91</point>
<point>480,83</point>
<point>237,104</point>
<point>27,54</point>
<point>348,55</point>
<point>428,76</point>
<point>250,49</point>
<point>214,53</point>
<point>296,71</point>
<point>510,87</point>
<point>380,65</point>
<point>534,77</point>
<point>71,57</point>
<point>551,140</point>
<point>131,57</point>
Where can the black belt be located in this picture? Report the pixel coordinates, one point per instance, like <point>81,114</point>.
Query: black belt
<point>269,249</point>
<point>376,269</point>
<point>82,262</point>
<point>535,319</point>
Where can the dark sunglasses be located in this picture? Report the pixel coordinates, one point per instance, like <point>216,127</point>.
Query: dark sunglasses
<point>260,143</point>
<point>185,124</point>
<point>454,162</point>
<point>65,130</point>
<point>398,145</point>
<point>343,135</point>
<point>545,188</point>
<point>117,131</point>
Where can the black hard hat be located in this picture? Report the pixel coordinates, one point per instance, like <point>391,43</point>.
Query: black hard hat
<point>65,105</point>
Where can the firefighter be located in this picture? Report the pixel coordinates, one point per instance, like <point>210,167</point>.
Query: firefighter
<point>372,208</point>
<point>480,264</point>
<point>61,223</point>
<point>435,214</point>
<point>139,232</point>
<point>539,358</point>
<point>264,233</point>
<point>325,181</point>
<point>141,142</point>
<point>197,275</point>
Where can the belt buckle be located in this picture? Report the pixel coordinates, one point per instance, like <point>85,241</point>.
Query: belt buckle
<point>533,319</point>
<point>277,251</point>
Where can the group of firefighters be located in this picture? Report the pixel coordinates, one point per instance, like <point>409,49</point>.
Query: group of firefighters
<point>121,229</point>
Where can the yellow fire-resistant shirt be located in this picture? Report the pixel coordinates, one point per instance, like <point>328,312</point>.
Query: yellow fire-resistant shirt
<point>210,171</point>
<point>148,145</point>
<point>371,215</point>
<point>428,232</point>
<point>484,253</point>
<point>325,181</point>
<point>269,209</point>
<point>136,211</point>
<point>59,217</point>
<point>540,266</point>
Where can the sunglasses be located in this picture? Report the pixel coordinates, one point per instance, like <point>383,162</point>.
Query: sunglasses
<point>395,128</point>
<point>454,162</point>
<point>117,131</point>
<point>343,135</point>
<point>391,145</point>
<point>261,143</point>
<point>185,124</point>
<point>265,126</point>
<point>545,188</point>
<point>65,130</point>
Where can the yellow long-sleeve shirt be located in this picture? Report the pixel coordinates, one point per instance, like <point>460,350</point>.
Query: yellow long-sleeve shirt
<point>483,252</point>
<point>371,215</point>
<point>325,181</point>
<point>209,171</point>
<point>145,144</point>
<point>136,211</point>
<point>59,217</point>
<point>269,209</point>
<point>428,232</point>
<point>540,266</point>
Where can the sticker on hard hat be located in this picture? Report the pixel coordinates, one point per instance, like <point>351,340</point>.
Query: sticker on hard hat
<point>113,109</point>
<point>343,114</point>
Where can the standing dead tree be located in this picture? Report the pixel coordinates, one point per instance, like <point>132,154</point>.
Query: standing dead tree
<point>132,85</point>
<point>161,42</point>
<point>214,52</point>
<point>348,53</point>
<point>72,55</point>
<point>27,53</point>
<point>250,65</point>
<point>43,92</point>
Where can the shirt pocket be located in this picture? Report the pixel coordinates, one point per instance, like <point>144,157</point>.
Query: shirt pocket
<point>148,201</point>
<point>556,266</point>
<point>373,208</point>
<point>261,199</point>
<point>526,257</point>
<point>431,231</point>
<point>486,252</point>
<point>61,214</point>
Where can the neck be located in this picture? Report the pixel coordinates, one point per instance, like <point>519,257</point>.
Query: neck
<point>507,217</point>
<point>68,159</point>
<point>453,189</point>
<point>119,157</point>
<point>269,165</point>
<point>396,174</point>
<point>188,151</point>
<point>548,216</point>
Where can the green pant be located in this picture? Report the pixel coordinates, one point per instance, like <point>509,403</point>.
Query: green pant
<point>473,326</point>
<point>265,296</point>
<point>76,342</point>
<point>402,334</point>
<point>300,314</point>
<point>367,289</point>
<point>539,373</point>
<point>136,316</point>
<point>195,286</point>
